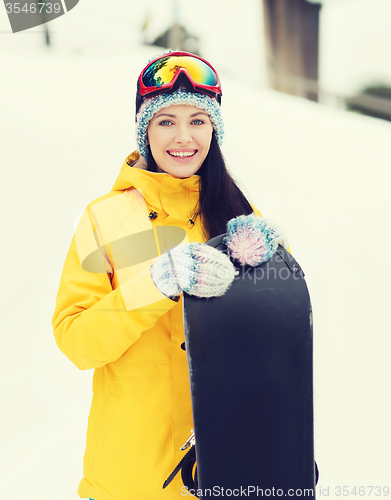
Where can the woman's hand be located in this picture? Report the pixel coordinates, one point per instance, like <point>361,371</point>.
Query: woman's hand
<point>196,268</point>
<point>252,240</point>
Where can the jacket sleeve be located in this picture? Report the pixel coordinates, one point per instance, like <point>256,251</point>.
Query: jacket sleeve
<point>93,324</point>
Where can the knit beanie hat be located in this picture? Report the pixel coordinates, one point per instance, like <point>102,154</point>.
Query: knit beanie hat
<point>181,96</point>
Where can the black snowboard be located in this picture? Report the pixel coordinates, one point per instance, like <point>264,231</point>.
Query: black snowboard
<point>250,365</point>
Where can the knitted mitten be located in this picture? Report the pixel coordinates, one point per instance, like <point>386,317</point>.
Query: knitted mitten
<point>252,239</point>
<point>196,268</point>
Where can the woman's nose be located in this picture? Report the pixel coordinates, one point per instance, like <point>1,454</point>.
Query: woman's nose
<point>183,134</point>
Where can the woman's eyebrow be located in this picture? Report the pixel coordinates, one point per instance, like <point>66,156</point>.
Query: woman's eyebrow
<point>199,113</point>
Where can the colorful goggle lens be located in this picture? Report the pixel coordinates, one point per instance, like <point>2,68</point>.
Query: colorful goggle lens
<point>164,70</point>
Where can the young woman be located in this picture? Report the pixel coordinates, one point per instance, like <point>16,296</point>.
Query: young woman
<point>119,304</point>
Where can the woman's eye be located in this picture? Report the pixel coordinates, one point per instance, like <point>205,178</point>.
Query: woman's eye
<point>198,122</point>
<point>165,123</point>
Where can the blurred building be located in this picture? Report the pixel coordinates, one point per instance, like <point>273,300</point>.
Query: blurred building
<point>177,37</point>
<point>373,100</point>
<point>292,46</point>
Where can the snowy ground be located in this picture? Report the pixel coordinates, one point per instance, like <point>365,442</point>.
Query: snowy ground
<point>67,123</point>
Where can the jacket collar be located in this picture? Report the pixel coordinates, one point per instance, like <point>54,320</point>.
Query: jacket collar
<point>173,199</point>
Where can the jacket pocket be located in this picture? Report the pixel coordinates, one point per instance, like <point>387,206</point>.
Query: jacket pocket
<point>104,424</point>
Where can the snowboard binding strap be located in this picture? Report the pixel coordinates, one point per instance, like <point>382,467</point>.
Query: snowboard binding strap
<point>186,466</point>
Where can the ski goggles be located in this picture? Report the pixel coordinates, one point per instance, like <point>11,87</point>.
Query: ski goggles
<point>161,75</point>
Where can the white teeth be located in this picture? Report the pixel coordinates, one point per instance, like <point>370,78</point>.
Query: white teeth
<point>182,154</point>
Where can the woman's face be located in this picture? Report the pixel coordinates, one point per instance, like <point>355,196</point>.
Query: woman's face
<point>179,137</point>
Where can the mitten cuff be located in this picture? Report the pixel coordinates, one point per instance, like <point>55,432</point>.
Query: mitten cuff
<point>202,270</point>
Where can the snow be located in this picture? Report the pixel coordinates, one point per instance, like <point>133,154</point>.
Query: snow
<point>323,174</point>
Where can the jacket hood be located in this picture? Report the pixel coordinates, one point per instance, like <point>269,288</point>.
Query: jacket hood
<point>168,196</point>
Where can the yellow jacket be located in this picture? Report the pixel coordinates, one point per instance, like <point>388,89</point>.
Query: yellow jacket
<point>110,316</point>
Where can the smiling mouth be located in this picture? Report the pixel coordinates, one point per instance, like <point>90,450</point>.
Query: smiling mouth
<point>182,154</point>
